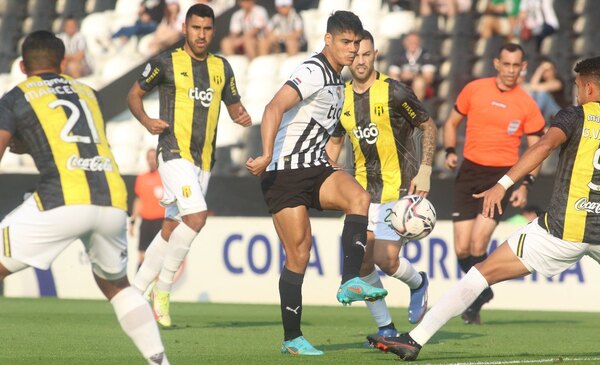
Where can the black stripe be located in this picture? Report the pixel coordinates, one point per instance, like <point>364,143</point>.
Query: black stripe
<point>200,117</point>
<point>322,68</point>
<point>295,87</point>
<point>335,77</point>
<point>309,127</point>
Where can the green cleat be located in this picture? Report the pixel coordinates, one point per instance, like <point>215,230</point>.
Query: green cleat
<point>355,290</point>
<point>299,346</point>
<point>160,307</point>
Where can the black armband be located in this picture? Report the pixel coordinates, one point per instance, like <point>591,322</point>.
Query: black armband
<point>529,181</point>
<point>450,150</point>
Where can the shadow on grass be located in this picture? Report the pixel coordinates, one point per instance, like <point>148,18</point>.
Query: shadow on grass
<point>442,336</point>
<point>245,324</point>
<point>552,322</point>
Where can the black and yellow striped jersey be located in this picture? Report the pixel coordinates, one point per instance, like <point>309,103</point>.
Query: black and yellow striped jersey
<point>574,210</point>
<point>60,122</point>
<point>190,93</point>
<point>380,124</point>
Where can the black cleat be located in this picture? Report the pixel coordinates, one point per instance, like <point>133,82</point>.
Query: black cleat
<point>403,346</point>
<point>471,315</point>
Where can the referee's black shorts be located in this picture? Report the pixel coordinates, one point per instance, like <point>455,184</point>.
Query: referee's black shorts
<point>472,179</point>
<point>291,188</point>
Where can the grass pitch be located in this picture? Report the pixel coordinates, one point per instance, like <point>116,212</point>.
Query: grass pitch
<point>53,331</point>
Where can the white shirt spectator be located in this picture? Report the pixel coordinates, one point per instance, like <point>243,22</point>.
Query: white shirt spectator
<point>281,25</point>
<point>241,22</point>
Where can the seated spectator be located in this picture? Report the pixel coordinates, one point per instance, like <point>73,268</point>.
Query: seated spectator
<point>285,31</point>
<point>547,89</point>
<point>414,66</point>
<point>169,31</point>
<point>500,18</point>
<point>75,49</point>
<point>537,20</point>
<point>247,26</point>
<point>150,15</point>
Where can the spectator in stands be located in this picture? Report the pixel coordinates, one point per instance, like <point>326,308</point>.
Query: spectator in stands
<point>150,15</point>
<point>247,26</point>
<point>168,31</point>
<point>75,49</point>
<point>500,18</point>
<point>538,20</point>
<point>547,89</point>
<point>285,31</point>
<point>414,66</point>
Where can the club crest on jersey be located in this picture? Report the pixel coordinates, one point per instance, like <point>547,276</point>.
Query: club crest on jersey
<point>205,96</point>
<point>368,133</point>
<point>186,191</point>
<point>513,126</point>
<point>379,110</point>
<point>217,79</point>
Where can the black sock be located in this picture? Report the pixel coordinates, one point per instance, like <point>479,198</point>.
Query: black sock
<point>354,242</point>
<point>477,259</point>
<point>290,295</point>
<point>465,263</point>
<point>389,326</point>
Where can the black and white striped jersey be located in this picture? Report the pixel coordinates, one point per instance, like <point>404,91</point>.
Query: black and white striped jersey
<point>305,129</point>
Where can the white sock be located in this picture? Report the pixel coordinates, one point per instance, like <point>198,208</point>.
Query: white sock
<point>454,302</point>
<point>378,308</point>
<point>136,319</point>
<point>153,262</point>
<point>407,274</point>
<point>178,247</point>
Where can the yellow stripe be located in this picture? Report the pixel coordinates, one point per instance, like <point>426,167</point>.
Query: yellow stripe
<point>6,237</point>
<point>216,74</point>
<point>349,124</point>
<point>38,201</point>
<point>74,183</point>
<point>520,245</point>
<point>184,105</point>
<point>386,146</point>
<point>575,220</point>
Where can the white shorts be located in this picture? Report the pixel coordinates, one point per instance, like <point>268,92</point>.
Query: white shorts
<point>540,251</point>
<point>185,186</point>
<point>379,221</point>
<point>36,238</point>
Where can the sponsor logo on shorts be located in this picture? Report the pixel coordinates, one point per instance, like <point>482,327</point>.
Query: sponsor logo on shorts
<point>205,96</point>
<point>582,204</point>
<point>369,133</point>
<point>186,191</point>
<point>96,163</point>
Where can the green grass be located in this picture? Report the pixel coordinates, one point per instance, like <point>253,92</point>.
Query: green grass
<point>53,331</point>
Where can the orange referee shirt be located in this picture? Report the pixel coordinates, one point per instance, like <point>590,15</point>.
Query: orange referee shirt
<point>149,189</point>
<point>496,121</point>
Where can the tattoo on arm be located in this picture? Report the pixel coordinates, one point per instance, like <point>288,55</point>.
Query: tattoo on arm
<point>428,142</point>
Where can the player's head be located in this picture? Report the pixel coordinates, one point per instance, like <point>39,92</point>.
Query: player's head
<point>344,31</point>
<point>364,63</point>
<point>587,80</point>
<point>42,51</point>
<point>509,63</point>
<point>199,29</point>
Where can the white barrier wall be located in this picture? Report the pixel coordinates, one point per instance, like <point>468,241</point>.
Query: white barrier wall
<point>238,260</point>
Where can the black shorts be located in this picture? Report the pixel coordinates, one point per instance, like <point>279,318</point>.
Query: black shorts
<point>472,179</point>
<point>149,228</point>
<point>291,188</point>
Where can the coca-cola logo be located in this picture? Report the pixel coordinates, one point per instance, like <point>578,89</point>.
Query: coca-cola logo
<point>96,163</point>
<point>588,206</point>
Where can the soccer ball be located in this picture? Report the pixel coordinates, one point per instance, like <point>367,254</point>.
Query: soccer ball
<point>413,217</point>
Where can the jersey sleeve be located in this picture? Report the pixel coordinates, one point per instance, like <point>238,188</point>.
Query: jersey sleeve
<point>230,92</point>
<point>152,74</point>
<point>7,118</point>
<point>339,130</point>
<point>307,80</point>
<point>534,122</point>
<point>463,101</point>
<point>407,104</point>
<point>568,119</point>
<point>138,186</point>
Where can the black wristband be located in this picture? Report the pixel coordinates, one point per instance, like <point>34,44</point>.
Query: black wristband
<point>529,180</point>
<point>450,150</point>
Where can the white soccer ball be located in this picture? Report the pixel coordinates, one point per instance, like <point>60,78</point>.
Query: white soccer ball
<point>413,217</point>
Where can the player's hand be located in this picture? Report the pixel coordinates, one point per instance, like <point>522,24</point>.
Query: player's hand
<point>155,126</point>
<point>451,161</point>
<point>421,183</point>
<point>518,198</point>
<point>258,165</point>
<point>243,118</point>
<point>492,199</point>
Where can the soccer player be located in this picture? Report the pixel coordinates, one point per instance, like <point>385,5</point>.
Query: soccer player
<point>380,115</point>
<point>499,112</point>
<point>296,174</point>
<point>80,194</point>
<point>552,243</point>
<point>192,83</point>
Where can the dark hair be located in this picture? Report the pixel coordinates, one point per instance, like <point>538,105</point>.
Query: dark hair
<point>589,68</point>
<point>511,47</point>
<point>201,10</point>
<point>344,21</point>
<point>367,35</point>
<point>42,50</point>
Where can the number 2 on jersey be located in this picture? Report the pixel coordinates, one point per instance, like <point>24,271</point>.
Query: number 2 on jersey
<point>66,133</point>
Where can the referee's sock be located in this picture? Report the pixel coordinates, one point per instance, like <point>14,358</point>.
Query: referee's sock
<point>354,243</point>
<point>290,295</point>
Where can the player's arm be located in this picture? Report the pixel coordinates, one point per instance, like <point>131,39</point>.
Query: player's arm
<point>285,99</point>
<point>421,183</point>
<point>333,149</point>
<point>136,105</point>
<point>518,197</point>
<point>5,137</point>
<point>239,115</point>
<point>450,128</point>
<point>530,160</point>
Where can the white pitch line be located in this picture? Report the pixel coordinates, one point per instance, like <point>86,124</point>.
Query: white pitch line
<point>510,362</point>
